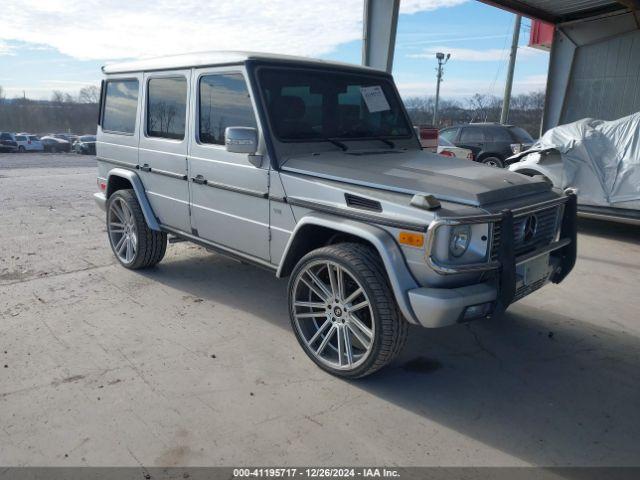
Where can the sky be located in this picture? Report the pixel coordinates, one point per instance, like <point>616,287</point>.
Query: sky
<point>61,44</point>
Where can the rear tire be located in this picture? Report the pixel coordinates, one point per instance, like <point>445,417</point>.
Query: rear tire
<point>493,162</point>
<point>133,243</point>
<point>323,315</point>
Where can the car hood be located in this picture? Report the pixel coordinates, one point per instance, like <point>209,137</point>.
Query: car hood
<point>418,172</point>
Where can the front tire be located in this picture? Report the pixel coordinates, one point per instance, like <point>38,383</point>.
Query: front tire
<point>343,312</point>
<point>493,162</point>
<point>21,149</point>
<point>133,243</point>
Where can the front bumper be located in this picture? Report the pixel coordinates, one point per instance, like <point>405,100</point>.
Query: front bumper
<point>439,307</point>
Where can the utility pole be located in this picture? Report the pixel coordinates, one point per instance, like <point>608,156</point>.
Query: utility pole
<point>442,60</point>
<point>506,101</point>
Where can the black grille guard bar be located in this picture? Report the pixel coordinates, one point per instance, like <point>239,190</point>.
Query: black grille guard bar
<point>507,259</point>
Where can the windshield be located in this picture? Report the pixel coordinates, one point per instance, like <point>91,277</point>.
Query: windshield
<point>522,135</point>
<point>319,104</point>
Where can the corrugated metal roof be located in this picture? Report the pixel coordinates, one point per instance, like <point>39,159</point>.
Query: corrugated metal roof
<point>556,11</point>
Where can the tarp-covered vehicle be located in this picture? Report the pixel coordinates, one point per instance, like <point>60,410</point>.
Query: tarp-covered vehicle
<point>599,159</point>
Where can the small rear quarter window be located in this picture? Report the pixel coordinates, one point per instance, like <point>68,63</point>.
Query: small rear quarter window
<point>120,106</point>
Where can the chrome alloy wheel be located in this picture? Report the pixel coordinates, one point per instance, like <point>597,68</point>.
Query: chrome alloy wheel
<point>123,233</point>
<point>333,315</point>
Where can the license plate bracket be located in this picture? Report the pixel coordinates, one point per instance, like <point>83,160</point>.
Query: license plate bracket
<point>532,271</point>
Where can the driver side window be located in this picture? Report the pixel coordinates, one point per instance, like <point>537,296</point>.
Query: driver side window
<point>224,101</point>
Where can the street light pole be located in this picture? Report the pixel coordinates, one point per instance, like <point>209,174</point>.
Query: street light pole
<point>506,101</point>
<point>442,59</point>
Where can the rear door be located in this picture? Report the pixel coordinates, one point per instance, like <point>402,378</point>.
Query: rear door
<point>229,204</point>
<point>472,138</point>
<point>119,126</point>
<point>164,140</point>
<point>498,141</point>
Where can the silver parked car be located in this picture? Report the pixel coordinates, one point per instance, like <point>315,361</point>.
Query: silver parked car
<point>312,170</point>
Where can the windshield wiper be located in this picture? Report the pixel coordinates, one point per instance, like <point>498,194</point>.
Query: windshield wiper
<point>337,143</point>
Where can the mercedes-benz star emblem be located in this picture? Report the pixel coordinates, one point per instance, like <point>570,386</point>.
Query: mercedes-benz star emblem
<point>529,228</point>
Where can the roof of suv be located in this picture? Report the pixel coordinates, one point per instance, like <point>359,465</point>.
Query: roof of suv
<point>203,59</point>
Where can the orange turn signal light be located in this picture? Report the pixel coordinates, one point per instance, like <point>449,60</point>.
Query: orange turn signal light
<point>411,239</point>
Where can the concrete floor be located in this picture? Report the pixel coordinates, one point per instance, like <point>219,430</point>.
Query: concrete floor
<point>194,362</point>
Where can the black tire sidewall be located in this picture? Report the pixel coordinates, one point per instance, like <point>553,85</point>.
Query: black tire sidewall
<point>323,254</point>
<point>141,225</point>
<point>498,161</point>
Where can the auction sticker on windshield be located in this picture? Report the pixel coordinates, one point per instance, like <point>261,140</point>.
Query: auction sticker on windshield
<point>375,99</point>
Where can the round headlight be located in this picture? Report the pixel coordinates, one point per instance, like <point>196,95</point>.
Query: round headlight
<point>459,241</point>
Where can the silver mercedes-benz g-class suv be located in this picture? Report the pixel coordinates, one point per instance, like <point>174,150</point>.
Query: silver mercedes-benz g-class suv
<point>313,170</point>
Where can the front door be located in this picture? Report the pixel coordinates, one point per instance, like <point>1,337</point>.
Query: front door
<point>163,148</point>
<point>229,204</point>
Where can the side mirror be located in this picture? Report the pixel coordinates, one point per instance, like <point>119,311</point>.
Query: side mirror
<point>241,140</point>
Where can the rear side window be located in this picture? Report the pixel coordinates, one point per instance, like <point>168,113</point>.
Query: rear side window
<point>449,134</point>
<point>497,134</point>
<point>120,106</point>
<point>223,102</point>
<point>472,135</point>
<point>167,107</point>
<point>521,135</point>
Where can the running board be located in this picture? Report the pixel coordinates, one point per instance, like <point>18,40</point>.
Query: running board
<point>174,239</point>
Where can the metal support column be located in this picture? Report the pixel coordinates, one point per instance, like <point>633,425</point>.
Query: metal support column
<point>379,33</point>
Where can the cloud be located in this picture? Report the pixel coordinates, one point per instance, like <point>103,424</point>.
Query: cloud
<point>6,49</point>
<point>116,29</point>
<point>415,6</point>
<point>471,55</point>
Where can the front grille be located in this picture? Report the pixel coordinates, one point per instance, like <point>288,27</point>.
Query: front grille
<point>545,231</point>
<point>546,225</point>
<point>527,289</point>
<point>495,241</point>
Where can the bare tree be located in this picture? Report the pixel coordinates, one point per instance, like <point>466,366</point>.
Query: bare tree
<point>57,96</point>
<point>161,117</point>
<point>526,110</point>
<point>89,94</point>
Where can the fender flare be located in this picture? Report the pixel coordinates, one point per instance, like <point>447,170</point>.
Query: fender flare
<point>138,189</point>
<point>400,278</point>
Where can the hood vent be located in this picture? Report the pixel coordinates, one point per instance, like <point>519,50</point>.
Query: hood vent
<point>362,203</point>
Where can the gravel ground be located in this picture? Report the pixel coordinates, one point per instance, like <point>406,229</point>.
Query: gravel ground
<point>194,362</point>
<point>45,160</point>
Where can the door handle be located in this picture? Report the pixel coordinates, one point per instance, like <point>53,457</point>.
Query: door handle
<point>199,179</point>
<point>145,168</point>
